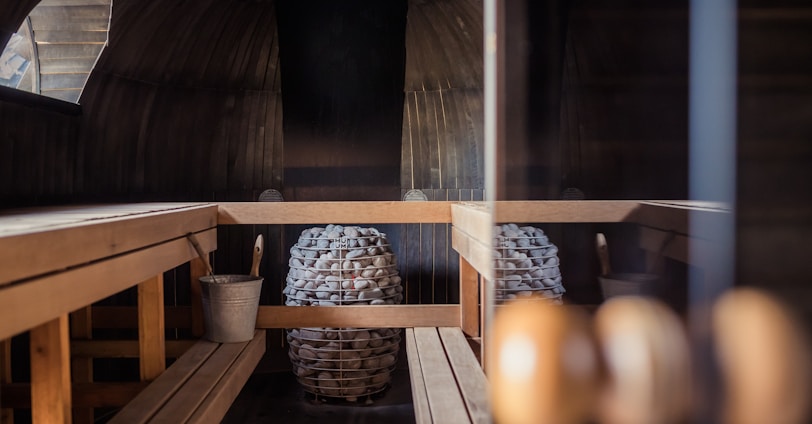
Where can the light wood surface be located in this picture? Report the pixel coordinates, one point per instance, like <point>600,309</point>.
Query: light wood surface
<point>149,401</point>
<point>217,381</point>
<point>478,253</point>
<point>470,378</point>
<point>50,372</point>
<point>151,334</point>
<point>35,242</point>
<point>81,286</point>
<point>444,397</point>
<point>420,400</point>
<point>219,400</point>
<point>381,316</point>
<point>564,211</point>
<point>333,212</point>
<point>474,219</point>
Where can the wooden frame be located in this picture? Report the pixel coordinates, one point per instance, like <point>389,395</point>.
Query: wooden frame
<point>128,245</point>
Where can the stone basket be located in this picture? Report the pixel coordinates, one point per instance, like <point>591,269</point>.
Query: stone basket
<point>334,266</point>
<point>526,265</point>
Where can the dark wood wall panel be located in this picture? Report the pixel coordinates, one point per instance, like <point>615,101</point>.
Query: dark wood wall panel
<point>194,118</point>
<point>442,143</point>
<point>774,179</point>
<point>12,15</point>
<point>38,142</point>
<point>342,83</point>
<point>624,107</point>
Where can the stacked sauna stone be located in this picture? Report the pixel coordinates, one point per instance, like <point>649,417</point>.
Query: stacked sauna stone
<point>334,266</point>
<point>526,264</point>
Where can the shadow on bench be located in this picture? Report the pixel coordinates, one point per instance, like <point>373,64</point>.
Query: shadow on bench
<point>199,387</point>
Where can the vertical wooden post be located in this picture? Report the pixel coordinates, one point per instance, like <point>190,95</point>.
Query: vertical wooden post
<point>197,269</point>
<point>50,372</point>
<point>81,328</point>
<point>6,414</point>
<point>151,337</point>
<point>469,298</point>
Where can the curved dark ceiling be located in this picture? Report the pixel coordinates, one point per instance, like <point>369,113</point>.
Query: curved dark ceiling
<point>185,101</point>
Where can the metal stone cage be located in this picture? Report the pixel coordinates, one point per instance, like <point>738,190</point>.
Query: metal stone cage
<point>344,362</point>
<point>334,266</point>
<point>526,265</point>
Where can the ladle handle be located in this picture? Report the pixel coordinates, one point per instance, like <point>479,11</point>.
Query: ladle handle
<point>258,249</point>
<point>203,256</point>
<point>603,254</point>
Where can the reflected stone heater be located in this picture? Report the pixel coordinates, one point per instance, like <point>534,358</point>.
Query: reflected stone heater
<point>335,266</point>
<point>526,265</point>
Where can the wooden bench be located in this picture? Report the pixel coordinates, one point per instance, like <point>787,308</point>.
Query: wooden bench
<point>199,387</point>
<point>448,384</point>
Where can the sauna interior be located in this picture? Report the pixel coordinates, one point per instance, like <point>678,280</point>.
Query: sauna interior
<point>504,170</point>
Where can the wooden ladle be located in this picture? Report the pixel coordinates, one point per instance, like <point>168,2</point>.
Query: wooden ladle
<point>603,254</point>
<point>258,249</point>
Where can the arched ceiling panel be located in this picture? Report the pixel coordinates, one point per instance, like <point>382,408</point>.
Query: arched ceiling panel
<point>213,44</point>
<point>443,116</point>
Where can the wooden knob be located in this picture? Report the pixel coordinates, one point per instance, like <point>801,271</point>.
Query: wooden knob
<point>764,358</point>
<point>647,358</point>
<point>542,364</point>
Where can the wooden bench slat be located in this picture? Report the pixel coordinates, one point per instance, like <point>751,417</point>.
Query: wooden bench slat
<point>219,400</point>
<point>184,403</point>
<point>470,377</point>
<point>422,412</point>
<point>149,401</point>
<point>444,396</point>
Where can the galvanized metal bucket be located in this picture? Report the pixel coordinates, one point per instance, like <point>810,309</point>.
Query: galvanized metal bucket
<point>230,304</point>
<point>629,284</point>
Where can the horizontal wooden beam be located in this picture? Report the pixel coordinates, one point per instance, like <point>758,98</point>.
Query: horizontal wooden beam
<point>334,212</point>
<point>473,219</point>
<point>127,317</point>
<point>40,300</point>
<point>44,240</point>
<point>85,395</point>
<point>564,211</point>
<point>383,316</point>
<point>676,215</point>
<point>122,348</point>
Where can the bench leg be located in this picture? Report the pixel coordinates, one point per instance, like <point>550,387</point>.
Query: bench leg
<point>50,372</point>
<point>151,337</point>
<point>469,298</point>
